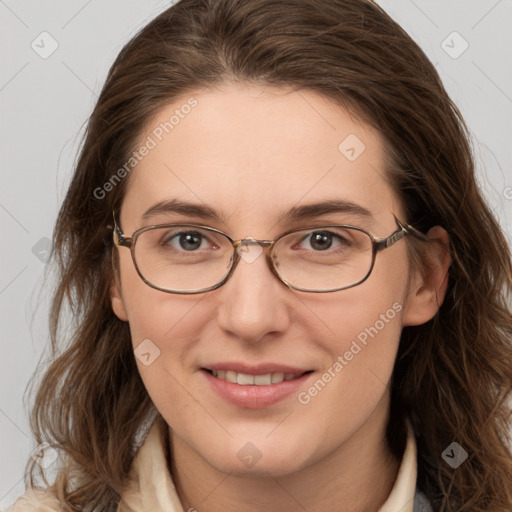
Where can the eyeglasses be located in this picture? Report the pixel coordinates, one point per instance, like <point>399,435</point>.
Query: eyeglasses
<point>191,258</point>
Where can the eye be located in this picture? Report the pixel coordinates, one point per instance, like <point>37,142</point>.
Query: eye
<point>324,240</point>
<point>185,240</point>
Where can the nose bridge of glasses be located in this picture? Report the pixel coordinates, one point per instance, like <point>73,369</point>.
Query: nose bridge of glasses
<point>266,246</point>
<point>252,241</point>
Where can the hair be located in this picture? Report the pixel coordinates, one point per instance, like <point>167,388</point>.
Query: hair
<point>452,375</point>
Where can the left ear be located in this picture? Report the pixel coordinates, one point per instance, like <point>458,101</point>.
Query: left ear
<point>428,284</point>
<point>116,297</point>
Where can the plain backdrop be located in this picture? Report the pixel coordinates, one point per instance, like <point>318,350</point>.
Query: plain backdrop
<point>55,55</point>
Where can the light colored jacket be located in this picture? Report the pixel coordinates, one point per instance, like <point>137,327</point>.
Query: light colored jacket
<point>151,488</point>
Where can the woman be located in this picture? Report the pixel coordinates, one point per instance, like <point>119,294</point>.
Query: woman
<point>287,289</point>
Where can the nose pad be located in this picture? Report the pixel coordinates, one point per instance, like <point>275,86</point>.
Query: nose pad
<point>249,250</point>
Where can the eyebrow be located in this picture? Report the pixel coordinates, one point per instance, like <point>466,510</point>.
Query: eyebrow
<point>308,211</point>
<point>295,214</point>
<point>184,208</point>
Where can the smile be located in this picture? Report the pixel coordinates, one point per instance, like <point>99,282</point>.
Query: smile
<point>245,379</point>
<point>255,391</point>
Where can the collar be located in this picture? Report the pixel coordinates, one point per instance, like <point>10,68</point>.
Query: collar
<point>151,487</point>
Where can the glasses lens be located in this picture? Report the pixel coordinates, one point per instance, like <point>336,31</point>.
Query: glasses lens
<point>183,258</point>
<point>324,259</point>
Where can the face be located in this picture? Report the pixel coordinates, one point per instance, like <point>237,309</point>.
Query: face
<point>252,153</point>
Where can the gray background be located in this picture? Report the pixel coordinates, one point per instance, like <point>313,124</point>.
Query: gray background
<point>45,101</point>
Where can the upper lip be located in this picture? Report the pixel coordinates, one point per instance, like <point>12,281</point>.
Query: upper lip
<point>259,369</point>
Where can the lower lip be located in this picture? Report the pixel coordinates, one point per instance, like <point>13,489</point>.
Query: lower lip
<point>253,396</point>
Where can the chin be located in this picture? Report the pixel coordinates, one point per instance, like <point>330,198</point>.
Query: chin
<point>275,467</point>
<point>248,459</point>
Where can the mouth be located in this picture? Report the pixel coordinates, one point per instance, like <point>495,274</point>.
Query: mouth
<point>247,379</point>
<point>255,390</point>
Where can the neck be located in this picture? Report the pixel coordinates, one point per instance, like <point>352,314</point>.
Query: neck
<point>357,476</point>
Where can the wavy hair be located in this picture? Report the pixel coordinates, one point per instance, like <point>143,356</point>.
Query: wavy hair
<point>452,375</point>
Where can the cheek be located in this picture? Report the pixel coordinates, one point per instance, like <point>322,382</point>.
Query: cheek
<point>364,333</point>
<point>374,307</point>
<point>157,316</point>
<point>360,356</point>
<point>362,329</point>
<point>164,329</point>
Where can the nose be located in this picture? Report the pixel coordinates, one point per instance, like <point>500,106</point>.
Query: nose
<point>253,302</point>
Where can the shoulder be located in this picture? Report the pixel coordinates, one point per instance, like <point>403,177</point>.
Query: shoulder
<point>37,500</point>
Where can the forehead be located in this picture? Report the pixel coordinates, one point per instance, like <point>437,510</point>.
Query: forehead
<point>252,152</point>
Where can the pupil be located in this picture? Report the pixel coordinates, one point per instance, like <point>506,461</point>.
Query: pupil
<point>190,241</point>
<point>321,240</point>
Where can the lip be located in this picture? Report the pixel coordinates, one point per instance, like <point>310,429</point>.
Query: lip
<point>253,396</point>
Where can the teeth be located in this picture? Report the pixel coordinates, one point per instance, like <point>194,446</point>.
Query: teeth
<point>245,379</point>
<point>277,377</point>
<point>262,380</point>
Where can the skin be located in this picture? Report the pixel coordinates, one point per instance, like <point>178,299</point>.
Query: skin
<point>252,152</point>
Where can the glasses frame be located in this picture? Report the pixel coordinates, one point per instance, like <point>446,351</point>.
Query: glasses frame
<point>378,244</point>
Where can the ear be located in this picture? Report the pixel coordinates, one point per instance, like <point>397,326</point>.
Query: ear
<point>428,284</point>
<point>116,298</point>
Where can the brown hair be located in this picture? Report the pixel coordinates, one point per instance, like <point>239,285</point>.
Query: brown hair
<point>453,375</point>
